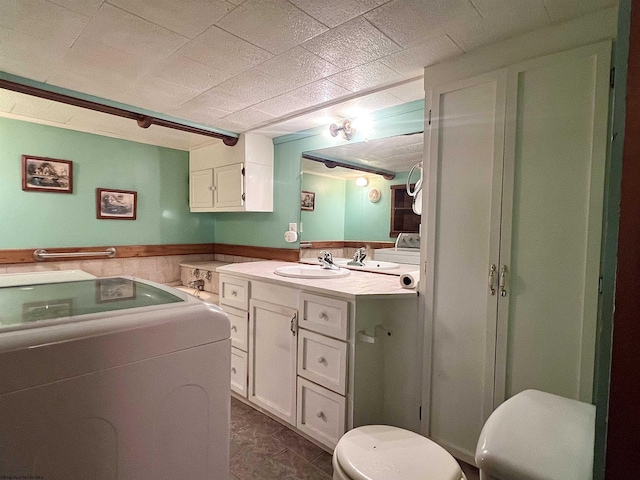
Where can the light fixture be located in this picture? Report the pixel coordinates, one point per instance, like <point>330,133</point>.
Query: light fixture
<point>348,131</point>
<point>362,182</point>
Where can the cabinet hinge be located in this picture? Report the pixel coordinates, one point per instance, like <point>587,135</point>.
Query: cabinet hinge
<point>429,117</point>
<point>600,285</point>
<point>612,76</point>
<point>242,171</point>
<point>420,413</point>
<point>244,196</point>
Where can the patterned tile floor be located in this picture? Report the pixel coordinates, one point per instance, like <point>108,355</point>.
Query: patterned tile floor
<point>262,448</point>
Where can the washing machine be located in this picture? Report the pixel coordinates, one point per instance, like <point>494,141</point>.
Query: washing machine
<point>111,378</point>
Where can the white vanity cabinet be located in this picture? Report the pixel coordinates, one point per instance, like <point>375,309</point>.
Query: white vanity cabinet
<point>513,231</point>
<point>327,361</point>
<point>232,179</point>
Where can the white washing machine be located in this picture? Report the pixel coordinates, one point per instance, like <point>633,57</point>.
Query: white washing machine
<point>111,378</point>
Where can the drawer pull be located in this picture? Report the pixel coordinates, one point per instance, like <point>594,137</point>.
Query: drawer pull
<point>323,316</point>
<point>233,369</point>
<point>234,328</point>
<point>320,359</point>
<point>234,293</point>
<point>320,414</point>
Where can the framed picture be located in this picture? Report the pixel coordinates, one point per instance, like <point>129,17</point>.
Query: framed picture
<point>307,200</point>
<point>36,311</point>
<point>42,174</point>
<point>115,290</point>
<point>116,204</point>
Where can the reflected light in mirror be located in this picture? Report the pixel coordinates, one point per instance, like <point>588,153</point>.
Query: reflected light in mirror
<point>362,181</point>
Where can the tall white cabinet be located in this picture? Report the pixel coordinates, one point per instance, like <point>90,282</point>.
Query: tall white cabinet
<point>516,164</point>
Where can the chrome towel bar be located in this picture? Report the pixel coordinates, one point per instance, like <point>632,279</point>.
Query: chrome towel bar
<point>41,254</point>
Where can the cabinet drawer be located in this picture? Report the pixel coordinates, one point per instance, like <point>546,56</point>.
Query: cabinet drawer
<point>239,327</point>
<point>234,292</point>
<point>321,413</point>
<point>323,360</point>
<point>239,371</point>
<point>328,316</point>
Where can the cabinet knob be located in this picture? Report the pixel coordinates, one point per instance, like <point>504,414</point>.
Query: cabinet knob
<point>320,359</point>
<point>234,328</point>
<point>233,369</point>
<point>320,414</point>
<point>323,316</point>
<point>234,293</point>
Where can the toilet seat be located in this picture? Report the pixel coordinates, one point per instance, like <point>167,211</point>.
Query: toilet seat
<point>381,452</point>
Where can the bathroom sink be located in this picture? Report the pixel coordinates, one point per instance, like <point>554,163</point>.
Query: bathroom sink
<point>310,271</point>
<point>369,264</point>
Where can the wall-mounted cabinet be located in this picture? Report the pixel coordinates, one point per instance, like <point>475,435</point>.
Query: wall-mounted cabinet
<point>403,218</point>
<point>232,179</point>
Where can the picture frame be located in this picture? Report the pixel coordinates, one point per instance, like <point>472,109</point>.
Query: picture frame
<point>114,204</point>
<point>44,174</point>
<point>307,200</point>
<point>115,290</point>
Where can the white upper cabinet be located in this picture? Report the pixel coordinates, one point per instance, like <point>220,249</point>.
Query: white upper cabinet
<point>232,179</point>
<point>515,200</point>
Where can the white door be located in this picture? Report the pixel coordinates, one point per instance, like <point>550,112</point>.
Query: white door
<point>229,182</point>
<point>555,152</point>
<point>272,358</point>
<point>201,189</point>
<point>465,171</point>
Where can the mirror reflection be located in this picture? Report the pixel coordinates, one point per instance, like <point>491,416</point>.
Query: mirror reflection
<point>360,206</point>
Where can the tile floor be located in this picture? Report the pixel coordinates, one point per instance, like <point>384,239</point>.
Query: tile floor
<point>262,448</point>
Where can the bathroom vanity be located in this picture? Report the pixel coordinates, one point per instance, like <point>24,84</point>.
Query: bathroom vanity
<point>324,355</point>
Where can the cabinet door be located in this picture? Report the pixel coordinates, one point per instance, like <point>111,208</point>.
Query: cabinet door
<point>201,188</point>
<point>229,186</point>
<point>555,154</point>
<point>463,225</point>
<point>272,359</point>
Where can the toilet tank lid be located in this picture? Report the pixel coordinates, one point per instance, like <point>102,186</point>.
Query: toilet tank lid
<point>381,452</point>
<point>536,435</point>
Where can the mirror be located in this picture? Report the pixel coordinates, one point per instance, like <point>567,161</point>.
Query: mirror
<point>344,211</point>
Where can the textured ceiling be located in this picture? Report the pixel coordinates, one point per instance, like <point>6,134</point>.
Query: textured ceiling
<point>240,65</point>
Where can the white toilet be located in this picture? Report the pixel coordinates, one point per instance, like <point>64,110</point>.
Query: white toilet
<point>531,436</point>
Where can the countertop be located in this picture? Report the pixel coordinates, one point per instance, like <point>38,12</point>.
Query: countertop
<point>401,269</point>
<point>357,283</point>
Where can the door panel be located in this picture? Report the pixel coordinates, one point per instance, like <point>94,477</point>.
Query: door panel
<point>229,186</point>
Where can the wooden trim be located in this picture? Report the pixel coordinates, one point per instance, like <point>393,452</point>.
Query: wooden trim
<point>267,253</point>
<point>123,251</point>
<point>346,244</point>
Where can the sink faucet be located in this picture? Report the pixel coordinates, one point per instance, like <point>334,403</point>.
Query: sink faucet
<point>358,257</point>
<point>199,284</point>
<point>326,260</point>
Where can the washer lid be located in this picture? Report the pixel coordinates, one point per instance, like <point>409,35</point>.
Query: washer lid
<point>380,452</point>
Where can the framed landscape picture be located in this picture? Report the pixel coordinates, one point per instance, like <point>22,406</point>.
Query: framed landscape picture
<point>116,204</point>
<point>42,174</point>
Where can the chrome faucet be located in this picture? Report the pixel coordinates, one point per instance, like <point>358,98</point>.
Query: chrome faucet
<point>199,284</point>
<point>326,260</point>
<point>358,257</point>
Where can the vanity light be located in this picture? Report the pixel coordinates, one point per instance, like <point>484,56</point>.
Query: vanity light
<point>362,182</point>
<point>348,131</point>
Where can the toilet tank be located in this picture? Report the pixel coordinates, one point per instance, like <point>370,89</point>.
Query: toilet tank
<point>537,435</point>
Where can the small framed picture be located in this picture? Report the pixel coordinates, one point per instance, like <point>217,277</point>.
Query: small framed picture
<point>116,204</point>
<point>115,290</point>
<point>42,174</point>
<point>307,200</point>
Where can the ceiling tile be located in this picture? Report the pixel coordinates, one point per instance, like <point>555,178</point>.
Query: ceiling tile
<point>158,95</point>
<point>409,92</point>
<point>500,20</point>
<point>365,105</point>
<point>119,29</point>
<point>43,19</point>
<point>280,106</point>
<point>188,18</point>
<point>250,117</point>
<point>335,12</point>
<point>319,92</point>
<point>562,10</point>
<point>229,54</point>
<point>201,110</point>
<point>297,67</point>
<point>411,61</point>
<point>44,109</point>
<point>250,88</point>
<point>409,22</point>
<point>180,70</point>
<point>352,44</point>
<point>275,25</point>
<point>28,56</point>
<point>369,75</point>
<point>85,7</point>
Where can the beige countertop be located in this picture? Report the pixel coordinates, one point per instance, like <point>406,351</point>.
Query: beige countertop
<point>401,269</point>
<point>357,283</point>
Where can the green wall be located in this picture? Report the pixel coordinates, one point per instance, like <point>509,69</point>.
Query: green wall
<point>327,220</point>
<point>268,229</point>
<point>42,219</point>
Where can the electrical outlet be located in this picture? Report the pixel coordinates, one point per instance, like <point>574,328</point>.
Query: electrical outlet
<point>293,227</point>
